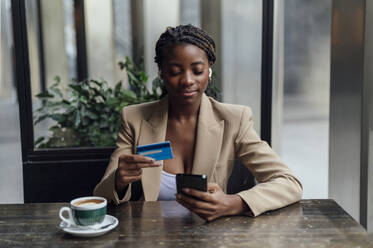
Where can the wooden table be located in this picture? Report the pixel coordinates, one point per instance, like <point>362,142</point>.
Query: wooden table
<point>310,223</point>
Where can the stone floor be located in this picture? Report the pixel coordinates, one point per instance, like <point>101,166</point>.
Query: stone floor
<point>304,148</point>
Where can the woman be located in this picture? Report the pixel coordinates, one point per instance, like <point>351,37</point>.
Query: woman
<point>206,137</point>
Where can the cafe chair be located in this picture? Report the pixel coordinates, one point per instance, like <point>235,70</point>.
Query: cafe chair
<point>240,179</point>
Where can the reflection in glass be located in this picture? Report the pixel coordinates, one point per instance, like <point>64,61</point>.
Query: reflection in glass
<point>122,29</point>
<point>7,83</point>
<point>52,49</point>
<point>33,45</point>
<point>11,180</point>
<point>100,44</point>
<point>190,12</point>
<point>70,37</point>
<point>241,54</point>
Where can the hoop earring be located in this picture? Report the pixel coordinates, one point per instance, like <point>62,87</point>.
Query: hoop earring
<point>210,73</point>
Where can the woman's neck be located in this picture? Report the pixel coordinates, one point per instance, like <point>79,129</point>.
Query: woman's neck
<point>183,112</point>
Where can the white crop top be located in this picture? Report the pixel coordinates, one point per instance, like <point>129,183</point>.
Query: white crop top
<point>168,187</point>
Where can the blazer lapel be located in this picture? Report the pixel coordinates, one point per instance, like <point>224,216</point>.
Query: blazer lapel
<point>208,143</point>
<point>209,140</point>
<point>153,130</point>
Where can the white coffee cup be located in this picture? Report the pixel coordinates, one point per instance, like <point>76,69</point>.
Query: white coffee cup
<point>85,211</point>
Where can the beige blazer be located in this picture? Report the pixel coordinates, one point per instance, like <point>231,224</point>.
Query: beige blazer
<point>224,133</point>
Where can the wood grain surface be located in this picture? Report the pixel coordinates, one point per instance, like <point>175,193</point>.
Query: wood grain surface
<point>309,223</point>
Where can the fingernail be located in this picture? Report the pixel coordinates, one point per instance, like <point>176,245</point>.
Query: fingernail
<point>186,190</point>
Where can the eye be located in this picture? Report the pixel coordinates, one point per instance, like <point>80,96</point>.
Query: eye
<point>198,69</point>
<point>174,72</point>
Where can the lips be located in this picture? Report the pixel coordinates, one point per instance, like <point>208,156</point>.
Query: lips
<point>189,92</point>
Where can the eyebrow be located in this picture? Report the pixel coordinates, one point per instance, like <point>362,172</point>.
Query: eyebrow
<point>197,63</point>
<point>177,64</point>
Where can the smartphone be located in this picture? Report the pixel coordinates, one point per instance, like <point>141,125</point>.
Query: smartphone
<point>198,182</point>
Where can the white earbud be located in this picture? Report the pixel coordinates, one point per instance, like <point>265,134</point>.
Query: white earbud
<point>210,72</point>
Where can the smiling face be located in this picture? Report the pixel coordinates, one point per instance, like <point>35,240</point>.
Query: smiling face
<point>185,72</point>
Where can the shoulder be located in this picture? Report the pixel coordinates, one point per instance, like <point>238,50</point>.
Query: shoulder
<point>139,111</point>
<point>230,112</point>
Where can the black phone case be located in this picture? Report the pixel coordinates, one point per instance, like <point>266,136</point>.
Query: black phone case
<point>198,182</point>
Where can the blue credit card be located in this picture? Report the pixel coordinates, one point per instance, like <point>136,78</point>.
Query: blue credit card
<point>158,151</point>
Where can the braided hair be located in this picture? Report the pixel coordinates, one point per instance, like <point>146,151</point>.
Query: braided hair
<point>184,34</point>
<point>187,34</point>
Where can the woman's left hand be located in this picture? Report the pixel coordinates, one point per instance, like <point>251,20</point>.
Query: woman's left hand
<point>212,204</point>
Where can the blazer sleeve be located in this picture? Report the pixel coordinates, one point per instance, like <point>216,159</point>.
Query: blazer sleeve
<point>277,185</point>
<point>125,142</point>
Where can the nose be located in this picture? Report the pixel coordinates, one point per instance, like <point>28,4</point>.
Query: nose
<point>187,79</point>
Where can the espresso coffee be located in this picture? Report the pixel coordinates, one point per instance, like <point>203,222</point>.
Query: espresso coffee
<point>85,211</point>
<point>88,202</point>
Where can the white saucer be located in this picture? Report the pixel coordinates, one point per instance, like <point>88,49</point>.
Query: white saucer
<point>85,232</point>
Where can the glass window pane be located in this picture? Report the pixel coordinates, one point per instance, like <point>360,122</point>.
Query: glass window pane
<point>11,181</point>
<point>100,41</point>
<point>304,129</point>
<point>241,54</point>
<point>190,12</point>
<point>114,30</point>
<point>70,38</point>
<point>122,29</point>
<point>52,53</point>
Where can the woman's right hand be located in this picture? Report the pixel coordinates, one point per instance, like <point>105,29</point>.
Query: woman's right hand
<point>130,169</point>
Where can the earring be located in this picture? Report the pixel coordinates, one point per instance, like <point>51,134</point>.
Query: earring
<point>210,73</point>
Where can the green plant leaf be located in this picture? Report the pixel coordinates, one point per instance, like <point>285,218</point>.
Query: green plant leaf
<point>77,119</point>
<point>118,86</point>
<point>39,140</point>
<point>57,79</point>
<point>99,93</point>
<point>132,77</point>
<point>54,104</point>
<point>122,65</point>
<point>56,90</point>
<point>78,88</point>
<point>56,117</point>
<point>41,118</point>
<point>45,94</point>
<point>91,115</point>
